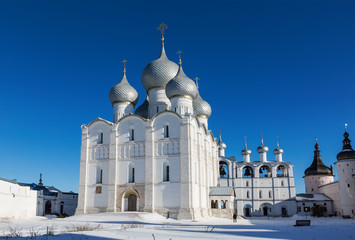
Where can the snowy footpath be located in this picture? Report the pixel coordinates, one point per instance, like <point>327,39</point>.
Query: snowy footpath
<point>134,225</point>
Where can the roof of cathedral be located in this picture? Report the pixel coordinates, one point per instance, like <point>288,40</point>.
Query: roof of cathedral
<point>181,85</point>
<point>123,92</point>
<point>159,72</point>
<point>201,107</point>
<point>142,110</point>
<point>221,191</point>
<point>318,167</point>
<point>347,153</point>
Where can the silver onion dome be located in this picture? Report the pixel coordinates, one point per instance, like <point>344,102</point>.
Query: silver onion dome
<point>159,72</point>
<point>142,110</point>
<point>246,151</point>
<point>222,144</point>
<point>123,92</point>
<point>181,85</point>
<point>201,107</point>
<point>278,151</point>
<point>262,148</point>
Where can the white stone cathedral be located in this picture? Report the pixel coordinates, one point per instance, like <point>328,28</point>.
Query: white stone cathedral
<point>162,157</point>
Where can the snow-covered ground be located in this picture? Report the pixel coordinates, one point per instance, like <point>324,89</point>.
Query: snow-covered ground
<point>108,226</point>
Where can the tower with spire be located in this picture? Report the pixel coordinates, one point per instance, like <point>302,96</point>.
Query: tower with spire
<point>346,176</point>
<point>318,173</point>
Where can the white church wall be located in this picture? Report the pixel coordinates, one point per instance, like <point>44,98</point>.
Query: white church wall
<point>165,195</point>
<point>17,201</point>
<point>126,125</point>
<point>166,119</point>
<point>332,191</point>
<point>94,133</point>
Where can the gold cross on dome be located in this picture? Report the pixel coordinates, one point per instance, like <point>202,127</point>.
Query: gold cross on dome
<point>124,65</point>
<point>179,53</point>
<point>196,80</point>
<point>162,27</point>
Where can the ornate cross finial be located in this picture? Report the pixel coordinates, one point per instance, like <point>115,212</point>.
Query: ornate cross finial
<point>245,140</point>
<point>277,140</point>
<point>124,65</point>
<point>262,139</point>
<point>162,27</point>
<point>179,53</point>
<point>196,80</point>
<point>346,127</point>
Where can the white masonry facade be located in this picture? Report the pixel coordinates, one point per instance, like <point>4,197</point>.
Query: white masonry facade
<point>161,157</point>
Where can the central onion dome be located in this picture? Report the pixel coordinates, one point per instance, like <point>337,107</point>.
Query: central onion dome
<point>201,107</point>
<point>159,72</point>
<point>246,151</point>
<point>123,92</point>
<point>262,148</point>
<point>181,85</point>
<point>142,110</point>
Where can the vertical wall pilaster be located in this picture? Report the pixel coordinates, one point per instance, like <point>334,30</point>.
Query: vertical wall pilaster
<point>149,169</point>
<point>83,181</point>
<point>113,171</point>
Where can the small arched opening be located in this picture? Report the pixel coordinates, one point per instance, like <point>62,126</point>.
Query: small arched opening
<point>247,210</point>
<point>130,200</point>
<point>223,169</point>
<point>48,207</point>
<point>281,171</point>
<point>266,209</point>
<point>264,172</point>
<point>247,172</point>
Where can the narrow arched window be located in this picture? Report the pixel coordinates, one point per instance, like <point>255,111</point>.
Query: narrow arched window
<point>247,184</point>
<point>270,194</point>
<point>260,194</point>
<point>282,184</point>
<point>248,195</point>
<point>166,172</point>
<point>100,138</point>
<point>131,136</point>
<point>99,175</point>
<point>166,131</point>
<point>157,109</point>
<point>133,175</point>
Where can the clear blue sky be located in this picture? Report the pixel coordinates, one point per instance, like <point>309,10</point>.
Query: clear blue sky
<point>284,68</point>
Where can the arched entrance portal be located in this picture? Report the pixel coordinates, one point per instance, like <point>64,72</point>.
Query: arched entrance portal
<point>247,210</point>
<point>48,207</point>
<point>132,203</point>
<point>130,200</point>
